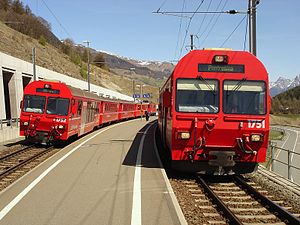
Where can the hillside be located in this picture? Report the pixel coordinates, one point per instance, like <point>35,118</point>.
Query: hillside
<point>115,73</point>
<point>287,102</point>
<point>117,78</point>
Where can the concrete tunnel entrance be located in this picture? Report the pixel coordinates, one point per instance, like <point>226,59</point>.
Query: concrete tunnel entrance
<point>25,80</point>
<point>9,89</point>
<point>6,79</point>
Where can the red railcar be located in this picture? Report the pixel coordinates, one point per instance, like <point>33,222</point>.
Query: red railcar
<point>152,108</point>
<point>53,111</point>
<point>214,112</point>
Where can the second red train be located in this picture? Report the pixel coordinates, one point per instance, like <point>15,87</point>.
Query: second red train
<point>54,111</point>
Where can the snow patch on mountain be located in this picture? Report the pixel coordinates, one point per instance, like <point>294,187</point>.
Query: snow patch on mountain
<point>283,84</point>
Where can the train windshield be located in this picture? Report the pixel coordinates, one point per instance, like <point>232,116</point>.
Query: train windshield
<point>34,103</point>
<point>197,95</point>
<point>244,97</point>
<point>58,106</point>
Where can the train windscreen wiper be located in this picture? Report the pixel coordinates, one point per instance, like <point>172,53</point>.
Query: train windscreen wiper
<point>236,87</point>
<point>207,84</point>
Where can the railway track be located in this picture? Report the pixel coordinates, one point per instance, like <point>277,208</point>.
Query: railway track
<point>20,160</point>
<point>234,200</point>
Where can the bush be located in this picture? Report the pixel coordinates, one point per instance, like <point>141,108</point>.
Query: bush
<point>42,40</point>
<point>75,58</point>
<point>83,71</point>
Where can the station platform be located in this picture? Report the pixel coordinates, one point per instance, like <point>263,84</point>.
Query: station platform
<point>111,176</point>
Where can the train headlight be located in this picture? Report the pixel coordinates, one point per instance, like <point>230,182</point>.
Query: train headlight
<point>25,123</point>
<point>183,135</point>
<point>61,126</point>
<point>257,137</point>
<point>221,59</point>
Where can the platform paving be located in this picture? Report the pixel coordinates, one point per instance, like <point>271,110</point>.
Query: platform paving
<point>97,183</point>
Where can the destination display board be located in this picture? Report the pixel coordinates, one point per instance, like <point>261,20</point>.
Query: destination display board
<point>47,90</point>
<point>221,68</point>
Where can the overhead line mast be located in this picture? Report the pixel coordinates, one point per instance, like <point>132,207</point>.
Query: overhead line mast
<point>252,25</point>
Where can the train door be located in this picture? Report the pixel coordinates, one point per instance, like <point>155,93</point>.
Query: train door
<point>100,105</point>
<point>120,111</point>
<point>83,117</point>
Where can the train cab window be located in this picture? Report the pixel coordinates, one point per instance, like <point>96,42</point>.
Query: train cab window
<point>197,95</point>
<point>34,104</point>
<point>58,106</point>
<point>244,97</point>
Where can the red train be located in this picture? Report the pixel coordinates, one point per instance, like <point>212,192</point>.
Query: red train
<point>53,111</point>
<point>214,112</point>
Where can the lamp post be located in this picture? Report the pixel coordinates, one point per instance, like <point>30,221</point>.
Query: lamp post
<point>88,58</point>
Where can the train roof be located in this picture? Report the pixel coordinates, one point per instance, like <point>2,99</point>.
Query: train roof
<point>72,90</point>
<point>189,64</point>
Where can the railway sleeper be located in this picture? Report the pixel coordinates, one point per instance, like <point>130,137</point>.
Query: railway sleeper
<point>231,192</point>
<point>210,207</point>
<point>258,217</point>
<point>213,215</point>
<point>202,201</point>
<point>250,210</point>
<point>216,222</point>
<point>240,198</point>
<point>218,188</point>
<point>278,223</point>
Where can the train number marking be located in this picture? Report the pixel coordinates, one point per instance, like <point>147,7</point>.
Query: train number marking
<point>62,120</point>
<point>259,124</point>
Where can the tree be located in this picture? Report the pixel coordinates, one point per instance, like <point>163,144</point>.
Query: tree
<point>45,23</point>
<point>18,7</point>
<point>28,10</point>
<point>99,60</point>
<point>4,4</point>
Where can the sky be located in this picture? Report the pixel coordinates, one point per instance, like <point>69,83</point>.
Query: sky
<point>129,28</point>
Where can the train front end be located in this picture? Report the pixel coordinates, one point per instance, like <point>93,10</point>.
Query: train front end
<point>216,113</point>
<point>45,112</point>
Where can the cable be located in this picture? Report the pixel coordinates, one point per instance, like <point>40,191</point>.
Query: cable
<point>246,32</point>
<point>179,30</point>
<point>214,24</point>
<point>164,2</point>
<point>188,27</point>
<point>204,17</point>
<point>233,31</point>
<point>57,19</point>
<point>209,20</point>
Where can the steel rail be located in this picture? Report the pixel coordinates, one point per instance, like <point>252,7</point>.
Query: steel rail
<point>280,212</point>
<point>216,200</point>
<point>16,152</point>
<point>24,162</point>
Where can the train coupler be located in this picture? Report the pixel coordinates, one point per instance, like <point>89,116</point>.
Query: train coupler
<point>190,154</point>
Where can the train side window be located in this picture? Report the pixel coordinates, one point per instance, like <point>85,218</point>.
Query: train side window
<point>79,108</point>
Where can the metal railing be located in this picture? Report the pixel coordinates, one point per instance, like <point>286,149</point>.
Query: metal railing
<point>13,122</point>
<point>274,149</point>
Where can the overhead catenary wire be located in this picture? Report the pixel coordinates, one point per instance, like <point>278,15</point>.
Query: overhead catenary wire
<point>211,19</point>
<point>204,17</point>
<point>233,31</point>
<point>163,3</point>
<point>188,26</point>
<point>179,30</point>
<point>57,20</point>
<point>246,32</point>
<point>214,24</point>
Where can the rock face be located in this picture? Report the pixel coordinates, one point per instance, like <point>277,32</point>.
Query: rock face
<point>282,84</point>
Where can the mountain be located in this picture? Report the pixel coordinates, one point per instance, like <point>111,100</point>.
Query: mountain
<point>287,102</point>
<point>154,69</point>
<point>283,84</point>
